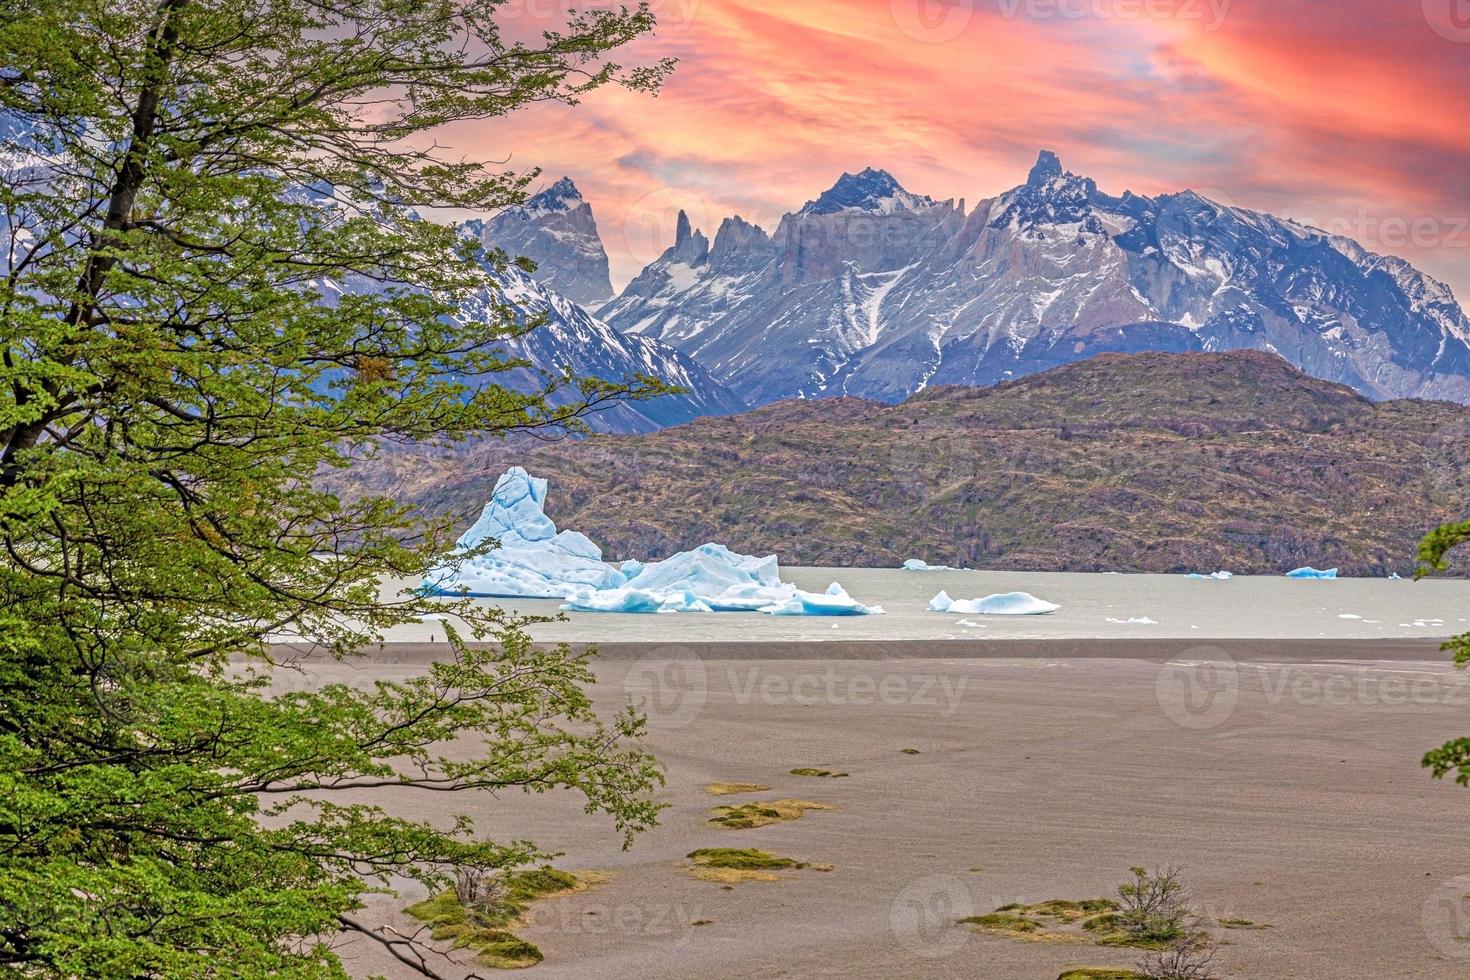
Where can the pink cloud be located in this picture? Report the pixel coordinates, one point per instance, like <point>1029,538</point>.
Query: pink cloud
<point>1348,113</point>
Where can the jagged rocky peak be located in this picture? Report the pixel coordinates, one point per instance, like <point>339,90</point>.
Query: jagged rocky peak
<point>740,246</point>
<point>560,196</point>
<point>872,191</point>
<point>1048,166</point>
<point>1051,196</point>
<point>556,230</point>
<point>690,246</point>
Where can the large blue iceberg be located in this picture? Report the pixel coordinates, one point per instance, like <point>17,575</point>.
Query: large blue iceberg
<point>1310,572</point>
<point>1005,604</point>
<point>535,560</point>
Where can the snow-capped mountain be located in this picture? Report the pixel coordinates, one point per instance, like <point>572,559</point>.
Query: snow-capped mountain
<point>556,230</point>
<point>871,290</point>
<point>571,338</point>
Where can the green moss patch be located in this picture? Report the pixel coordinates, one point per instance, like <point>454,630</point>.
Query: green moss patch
<point>1242,924</point>
<point>732,865</point>
<point>748,815</point>
<point>818,773</point>
<point>482,927</point>
<point>733,789</point>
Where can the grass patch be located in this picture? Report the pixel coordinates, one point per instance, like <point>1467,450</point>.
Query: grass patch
<point>748,815</point>
<point>1242,924</point>
<point>818,773</point>
<point>482,927</point>
<point>734,789</point>
<point>742,857</point>
<point>733,865</point>
<point>909,751</point>
<point>1004,922</point>
<point>1062,919</point>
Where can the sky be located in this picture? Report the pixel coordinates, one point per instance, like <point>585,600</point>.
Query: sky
<point>1350,115</point>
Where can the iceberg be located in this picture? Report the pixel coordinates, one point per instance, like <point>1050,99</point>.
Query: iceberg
<point>533,559</point>
<point>1135,621</point>
<point>514,551</point>
<point>1218,576</point>
<point>1004,604</point>
<point>1310,572</point>
<point>834,602</point>
<point>915,565</point>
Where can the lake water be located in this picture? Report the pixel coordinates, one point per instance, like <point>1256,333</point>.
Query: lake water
<point>1093,606</point>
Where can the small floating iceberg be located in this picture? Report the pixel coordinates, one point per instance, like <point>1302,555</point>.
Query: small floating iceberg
<point>1004,604</point>
<point>1135,621</point>
<point>1217,576</point>
<point>531,559</point>
<point>915,565</point>
<point>1313,573</point>
<point>834,602</point>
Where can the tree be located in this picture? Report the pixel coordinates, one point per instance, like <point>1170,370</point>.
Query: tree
<point>1434,552</point>
<point>185,182</point>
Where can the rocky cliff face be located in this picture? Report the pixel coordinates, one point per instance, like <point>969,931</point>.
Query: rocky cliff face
<point>556,230</point>
<point>871,290</point>
<point>1145,463</point>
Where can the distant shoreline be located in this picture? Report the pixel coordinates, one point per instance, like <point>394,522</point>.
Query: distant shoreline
<point>1160,650</point>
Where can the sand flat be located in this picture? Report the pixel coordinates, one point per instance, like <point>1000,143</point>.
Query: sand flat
<point>1289,789</point>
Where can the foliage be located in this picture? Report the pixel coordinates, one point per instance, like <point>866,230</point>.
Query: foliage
<point>1190,957</point>
<point>1153,906</point>
<point>184,182</point>
<point>1453,756</point>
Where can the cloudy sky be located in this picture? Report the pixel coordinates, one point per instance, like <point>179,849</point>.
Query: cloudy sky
<point>1347,114</point>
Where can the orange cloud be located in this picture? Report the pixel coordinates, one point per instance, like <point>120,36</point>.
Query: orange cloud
<point>1345,113</point>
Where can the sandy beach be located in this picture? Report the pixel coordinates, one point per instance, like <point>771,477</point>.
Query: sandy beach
<point>1288,787</point>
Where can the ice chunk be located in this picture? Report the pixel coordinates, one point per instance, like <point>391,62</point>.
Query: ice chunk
<point>1219,576</point>
<point>834,602</point>
<point>528,557</point>
<point>915,565</point>
<point>533,559</point>
<point>1310,572</point>
<point>1135,621</point>
<point>1004,604</point>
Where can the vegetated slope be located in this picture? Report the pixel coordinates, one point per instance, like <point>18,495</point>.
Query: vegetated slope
<point>1147,462</point>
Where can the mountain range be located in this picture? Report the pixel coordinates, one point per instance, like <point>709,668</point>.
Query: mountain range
<point>1150,462</point>
<point>874,291</point>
